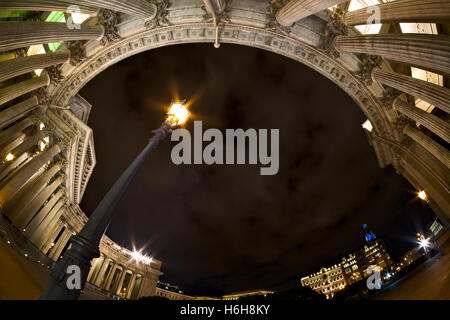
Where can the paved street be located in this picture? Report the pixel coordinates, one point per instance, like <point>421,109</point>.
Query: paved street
<point>430,282</point>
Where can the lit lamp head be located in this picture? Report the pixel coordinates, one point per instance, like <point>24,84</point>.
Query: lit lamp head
<point>177,114</point>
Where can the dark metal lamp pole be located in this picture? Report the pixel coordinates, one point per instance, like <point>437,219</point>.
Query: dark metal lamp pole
<point>85,245</point>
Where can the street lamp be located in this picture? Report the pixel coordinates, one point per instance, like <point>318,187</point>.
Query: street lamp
<point>85,245</point>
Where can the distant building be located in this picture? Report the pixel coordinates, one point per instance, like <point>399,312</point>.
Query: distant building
<point>237,295</point>
<point>171,292</point>
<point>327,281</point>
<point>353,268</point>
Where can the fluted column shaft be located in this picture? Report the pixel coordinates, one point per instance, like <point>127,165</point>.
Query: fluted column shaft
<point>45,5</point>
<point>299,9</point>
<point>15,67</point>
<point>142,8</point>
<point>434,94</point>
<point>9,134</point>
<point>219,5</point>
<point>429,121</point>
<point>40,216</point>
<point>131,286</point>
<point>25,33</point>
<point>30,191</point>
<point>423,50</point>
<point>20,88</point>
<point>16,111</point>
<point>122,278</point>
<point>25,173</point>
<point>110,276</point>
<point>101,274</point>
<point>438,151</point>
<point>25,216</point>
<point>402,11</point>
<point>59,247</point>
<point>49,228</point>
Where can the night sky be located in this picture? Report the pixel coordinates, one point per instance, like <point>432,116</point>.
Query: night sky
<point>225,228</point>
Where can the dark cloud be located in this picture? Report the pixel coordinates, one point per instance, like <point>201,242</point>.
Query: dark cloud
<point>227,228</point>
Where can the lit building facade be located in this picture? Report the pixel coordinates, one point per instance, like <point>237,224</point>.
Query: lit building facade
<point>327,281</point>
<point>237,295</point>
<point>171,292</point>
<point>352,268</point>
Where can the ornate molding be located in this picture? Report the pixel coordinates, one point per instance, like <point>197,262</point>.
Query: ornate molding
<point>109,20</point>
<point>160,19</point>
<point>367,64</point>
<point>333,28</point>
<point>77,52</point>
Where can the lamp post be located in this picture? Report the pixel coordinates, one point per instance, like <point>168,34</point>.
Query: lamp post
<point>85,245</point>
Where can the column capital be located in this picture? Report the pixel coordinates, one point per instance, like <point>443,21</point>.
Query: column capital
<point>160,20</point>
<point>77,51</point>
<point>272,22</point>
<point>333,28</point>
<point>109,20</point>
<point>367,64</point>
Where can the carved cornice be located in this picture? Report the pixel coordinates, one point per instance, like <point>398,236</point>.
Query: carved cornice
<point>160,19</point>
<point>77,52</point>
<point>333,28</point>
<point>367,64</point>
<point>109,20</point>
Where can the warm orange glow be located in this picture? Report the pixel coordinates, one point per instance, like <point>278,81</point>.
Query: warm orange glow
<point>178,114</point>
<point>9,157</point>
<point>422,195</point>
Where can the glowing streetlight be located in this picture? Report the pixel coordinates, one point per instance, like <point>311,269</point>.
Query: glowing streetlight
<point>85,245</point>
<point>424,243</point>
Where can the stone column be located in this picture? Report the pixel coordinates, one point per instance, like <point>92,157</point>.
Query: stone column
<point>6,169</point>
<point>97,264</point>
<point>25,33</point>
<point>438,151</point>
<point>131,286</point>
<point>402,11</point>
<point>22,219</point>
<point>45,5</point>
<point>62,241</point>
<point>30,191</point>
<point>25,173</point>
<point>15,67</point>
<point>46,237</point>
<point>39,218</point>
<point>110,276</point>
<point>429,121</point>
<point>432,93</point>
<point>142,8</point>
<point>122,278</point>
<point>20,88</point>
<point>11,114</point>
<point>27,143</point>
<point>424,50</point>
<point>99,277</point>
<point>9,134</point>
<point>299,9</point>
